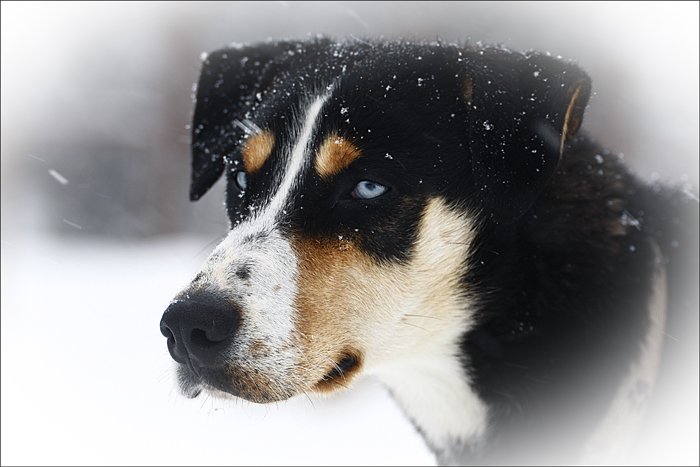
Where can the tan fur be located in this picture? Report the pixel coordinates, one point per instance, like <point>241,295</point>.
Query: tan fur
<point>335,155</point>
<point>258,349</point>
<point>383,313</point>
<point>468,90</point>
<point>325,271</point>
<point>256,386</point>
<point>572,120</point>
<point>257,150</point>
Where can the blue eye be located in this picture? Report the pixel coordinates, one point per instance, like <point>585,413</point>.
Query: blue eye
<point>368,190</point>
<point>242,180</point>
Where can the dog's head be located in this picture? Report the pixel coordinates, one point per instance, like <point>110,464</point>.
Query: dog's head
<point>357,177</point>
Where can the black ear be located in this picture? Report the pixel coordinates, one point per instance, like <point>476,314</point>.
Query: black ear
<point>228,83</point>
<point>525,109</point>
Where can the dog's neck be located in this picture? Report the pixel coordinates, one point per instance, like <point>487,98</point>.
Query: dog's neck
<point>437,397</point>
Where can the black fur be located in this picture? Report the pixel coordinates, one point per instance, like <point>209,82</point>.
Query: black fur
<point>566,246</point>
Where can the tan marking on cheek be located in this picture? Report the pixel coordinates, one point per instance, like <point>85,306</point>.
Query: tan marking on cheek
<point>329,309</point>
<point>335,155</point>
<point>257,150</point>
<point>346,302</point>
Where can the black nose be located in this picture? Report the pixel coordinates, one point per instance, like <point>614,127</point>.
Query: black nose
<point>199,329</point>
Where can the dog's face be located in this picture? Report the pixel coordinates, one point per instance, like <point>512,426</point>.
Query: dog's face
<point>357,181</point>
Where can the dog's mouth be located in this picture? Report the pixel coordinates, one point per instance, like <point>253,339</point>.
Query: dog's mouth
<point>339,375</point>
<point>213,381</point>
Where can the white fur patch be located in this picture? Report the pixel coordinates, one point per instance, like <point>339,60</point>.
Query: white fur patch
<point>297,162</point>
<point>266,298</point>
<point>437,396</point>
<point>418,359</point>
<point>615,435</point>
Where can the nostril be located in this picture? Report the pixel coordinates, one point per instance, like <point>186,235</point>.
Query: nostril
<point>200,338</point>
<point>165,330</point>
<point>212,336</point>
<point>217,326</point>
<point>208,340</point>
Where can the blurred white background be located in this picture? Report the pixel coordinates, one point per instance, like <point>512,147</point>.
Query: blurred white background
<point>97,232</point>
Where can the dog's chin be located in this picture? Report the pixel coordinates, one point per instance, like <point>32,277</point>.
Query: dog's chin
<point>227,383</point>
<point>220,384</point>
<point>233,381</point>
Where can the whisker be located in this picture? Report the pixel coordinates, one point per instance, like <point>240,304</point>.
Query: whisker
<point>206,398</point>
<point>216,239</point>
<point>339,370</point>
<point>309,399</point>
<point>424,316</point>
<point>414,325</point>
<point>164,374</point>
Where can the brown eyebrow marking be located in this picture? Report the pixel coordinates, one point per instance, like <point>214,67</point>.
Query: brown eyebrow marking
<point>468,90</point>
<point>335,154</point>
<point>257,149</point>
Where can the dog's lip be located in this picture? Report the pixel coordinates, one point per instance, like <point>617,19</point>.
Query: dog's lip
<point>345,364</point>
<point>193,392</point>
<point>193,384</point>
<point>213,382</point>
<point>190,383</point>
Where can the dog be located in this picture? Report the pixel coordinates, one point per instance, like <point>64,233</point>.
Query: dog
<point>428,214</point>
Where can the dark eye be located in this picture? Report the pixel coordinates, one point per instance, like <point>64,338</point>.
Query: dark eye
<point>368,190</point>
<point>242,180</point>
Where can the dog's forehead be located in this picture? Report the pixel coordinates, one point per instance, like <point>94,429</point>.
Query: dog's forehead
<point>361,79</point>
<point>373,100</point>
<point>365,86</point>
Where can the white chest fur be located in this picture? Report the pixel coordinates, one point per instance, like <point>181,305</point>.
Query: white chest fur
<point>436,395</point>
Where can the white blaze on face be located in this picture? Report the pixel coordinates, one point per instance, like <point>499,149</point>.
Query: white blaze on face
<point>256,266</point>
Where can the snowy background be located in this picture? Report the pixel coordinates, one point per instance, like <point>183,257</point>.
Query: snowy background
<point>97,232</point>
